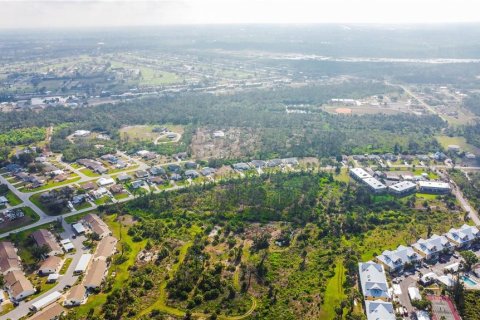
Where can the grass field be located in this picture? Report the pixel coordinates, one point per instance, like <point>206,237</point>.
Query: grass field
<point>12,198</point>
<point>149,76</point>
<point>445,141</point>
<point>145,132</point>
<point>89,173</point>
<point>334,292</point>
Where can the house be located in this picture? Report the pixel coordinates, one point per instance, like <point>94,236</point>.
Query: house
<point>207,171</point>
<point>396,260</point>
<point>258,163</point>
<point>431,249</point>
<point>192,174</point>
<point>76,296</point>
<point>439,156</point>
<point>61,177</point>
<point>97,225</point>
<point>156,180</point>
<point>53,311</point>
<point>291,161</point>
<point>81,133</point>
<point>88,186</point>
<point>50,265</point>
<point>373,281</point>
<point>78,199</point>
<point>18,286</point>
<point>117,188</point>
<point>45,238</point>
<point>53,277</point>
<point>140,174</point>
<point>157,171</point>
<point>274,163</point>
<point>138,184</point>
<point>95,274</point>
<point>402,188</point>
<point>241,166</point>
<point>463,237</point>
<point>9,259</point>
<point>180,156</point>
<point>123,177</point>
<point>173,167</point>
<point>428,279</point>
<point>191,165</point>
<point>105,248</point>
<point>176,177</point>
<point>100,192</point>
<point>102,182</point>
<point>13,168</point>
<point>379,310</point>
<point>110,158</point>
<point>435,187</point>
<point>3,201</point>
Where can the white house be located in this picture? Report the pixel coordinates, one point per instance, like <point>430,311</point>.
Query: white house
<point>395,261</point>
<point>463,236</point>
<point>102,182</point>
<point>373,281</point>
<point>379,310</point>
<point>431,248</point>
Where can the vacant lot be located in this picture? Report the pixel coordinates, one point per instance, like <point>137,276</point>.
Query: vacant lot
<point>237,143</point>
<point>445,141</point>
<point>146,132</point>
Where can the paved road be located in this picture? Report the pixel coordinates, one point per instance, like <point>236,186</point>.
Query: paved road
<point>67,279</point>
<point>472,213</point>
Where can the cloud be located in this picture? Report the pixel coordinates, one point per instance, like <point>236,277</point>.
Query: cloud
<point>93,13</point>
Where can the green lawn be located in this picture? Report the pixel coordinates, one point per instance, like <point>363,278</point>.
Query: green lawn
<point>102,200</point>
<point>36,201</point>
<point>445,141</point>
<point>342,176</point>
<point>89,173</point>
<point>65,265</point>
<point>12,198</point>
<point>122,195</point>
<point>83,205</point>
<point>51,184</point>
<point>334,292</point>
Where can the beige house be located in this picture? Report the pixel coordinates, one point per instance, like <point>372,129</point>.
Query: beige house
<point>51,312</point>
<point>45,238</point>
<point>52,264</point>
<point>19,287</point>
<point>97,225</point>
<point>95,274</point>
<point>9,260</point>
<point>106,248</point>
<point>76,296</point>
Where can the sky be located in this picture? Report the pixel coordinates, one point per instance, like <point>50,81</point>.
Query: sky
<point>105,13</point>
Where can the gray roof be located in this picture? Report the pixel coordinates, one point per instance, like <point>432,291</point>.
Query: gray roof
<point>403,186</point>
<point>399,257</point>
<point>379,310</point>
<point>360,173</point>
<point>373,280</point>
<point>464,234</point>
<point>432,245</point>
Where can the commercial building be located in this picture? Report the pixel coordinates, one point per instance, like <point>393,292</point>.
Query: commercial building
<point>375,185</point>
<point>435,187</point>
<point>403,188</point>
<point>359,174</point>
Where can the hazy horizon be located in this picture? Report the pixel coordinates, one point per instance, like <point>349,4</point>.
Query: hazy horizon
<point>122,13</point>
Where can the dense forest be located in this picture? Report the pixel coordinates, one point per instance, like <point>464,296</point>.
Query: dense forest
<point>316,134</point>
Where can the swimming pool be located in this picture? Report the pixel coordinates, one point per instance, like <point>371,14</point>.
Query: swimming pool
<point>468,281</point>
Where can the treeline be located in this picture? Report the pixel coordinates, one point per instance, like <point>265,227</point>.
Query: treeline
<point>320,134</point>
<point>20,136</point>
